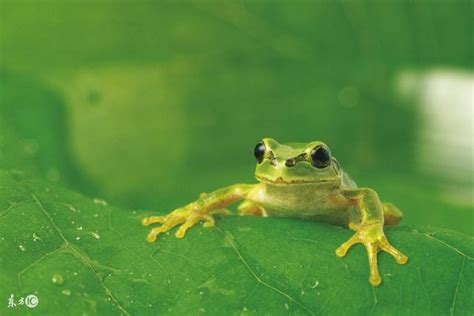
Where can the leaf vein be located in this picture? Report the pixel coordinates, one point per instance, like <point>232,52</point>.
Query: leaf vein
<point>449,246</point>
<point>375,301</point>
<point>78,254</point>
<point>19,274</point>
<point>424,287</point>
<point>11,207</point>
<point>259,280</point>
<point>453,305</point>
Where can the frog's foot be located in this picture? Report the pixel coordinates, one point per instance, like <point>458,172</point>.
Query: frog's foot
<point>187,217</point>
<point>374,240</point>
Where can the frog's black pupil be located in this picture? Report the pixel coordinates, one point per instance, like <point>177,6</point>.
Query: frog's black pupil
<point>259,152</point>
<point>320,157</point>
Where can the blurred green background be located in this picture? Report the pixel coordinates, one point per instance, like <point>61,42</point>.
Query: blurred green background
<point>147,104</point>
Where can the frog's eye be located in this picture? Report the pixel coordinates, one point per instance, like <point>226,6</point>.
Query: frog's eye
<point>320,157</point>
<point>259,152</point>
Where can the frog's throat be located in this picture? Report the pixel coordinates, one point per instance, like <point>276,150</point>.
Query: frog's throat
<point>280,180</point>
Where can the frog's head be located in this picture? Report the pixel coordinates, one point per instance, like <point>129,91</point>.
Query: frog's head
<point>295,163</point>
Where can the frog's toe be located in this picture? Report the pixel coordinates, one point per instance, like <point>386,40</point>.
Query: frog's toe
<point>193,220</point>
<point>387,247</point>
<point>341,251</point>
<point>153,219</point>
<point>372,250</point>
<point>184,228</point>
<point>208,221</point>
<point>375,280</point>
<point>402,259</point>
<point>168,224</point>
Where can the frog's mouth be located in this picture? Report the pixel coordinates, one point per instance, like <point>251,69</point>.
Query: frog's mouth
<point>280,180</point>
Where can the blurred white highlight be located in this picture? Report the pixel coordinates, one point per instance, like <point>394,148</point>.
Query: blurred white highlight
<point>445,141</point>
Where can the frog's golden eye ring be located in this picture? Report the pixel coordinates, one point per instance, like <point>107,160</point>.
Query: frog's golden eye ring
<point>259,152</point>
<point>320,157</point>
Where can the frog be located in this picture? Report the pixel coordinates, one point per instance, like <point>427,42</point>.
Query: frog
<point>302,181</point>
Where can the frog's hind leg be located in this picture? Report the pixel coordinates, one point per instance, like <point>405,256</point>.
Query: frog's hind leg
<point>249,208</point>
<point>392,215</point>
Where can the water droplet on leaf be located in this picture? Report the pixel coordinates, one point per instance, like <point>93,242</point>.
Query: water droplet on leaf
<point>66,292</point>
<point>36,237</point>
<point>100,202</point>
<point>57,279</point>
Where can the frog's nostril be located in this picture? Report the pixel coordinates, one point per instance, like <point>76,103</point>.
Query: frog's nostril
<point>290,162</point>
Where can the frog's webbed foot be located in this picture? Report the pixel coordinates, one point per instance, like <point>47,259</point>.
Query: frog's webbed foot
<point>374,240</point>
<point>187,217</point>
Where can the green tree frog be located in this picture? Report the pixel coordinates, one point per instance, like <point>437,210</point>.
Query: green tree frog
<point>301,181</point>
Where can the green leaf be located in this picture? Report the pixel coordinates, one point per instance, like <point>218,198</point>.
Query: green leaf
<point>75,252</point>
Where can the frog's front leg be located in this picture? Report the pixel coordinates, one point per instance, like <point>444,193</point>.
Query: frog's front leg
<point>369,231</point>
<point>202,209</point>
<point>250,208</point>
